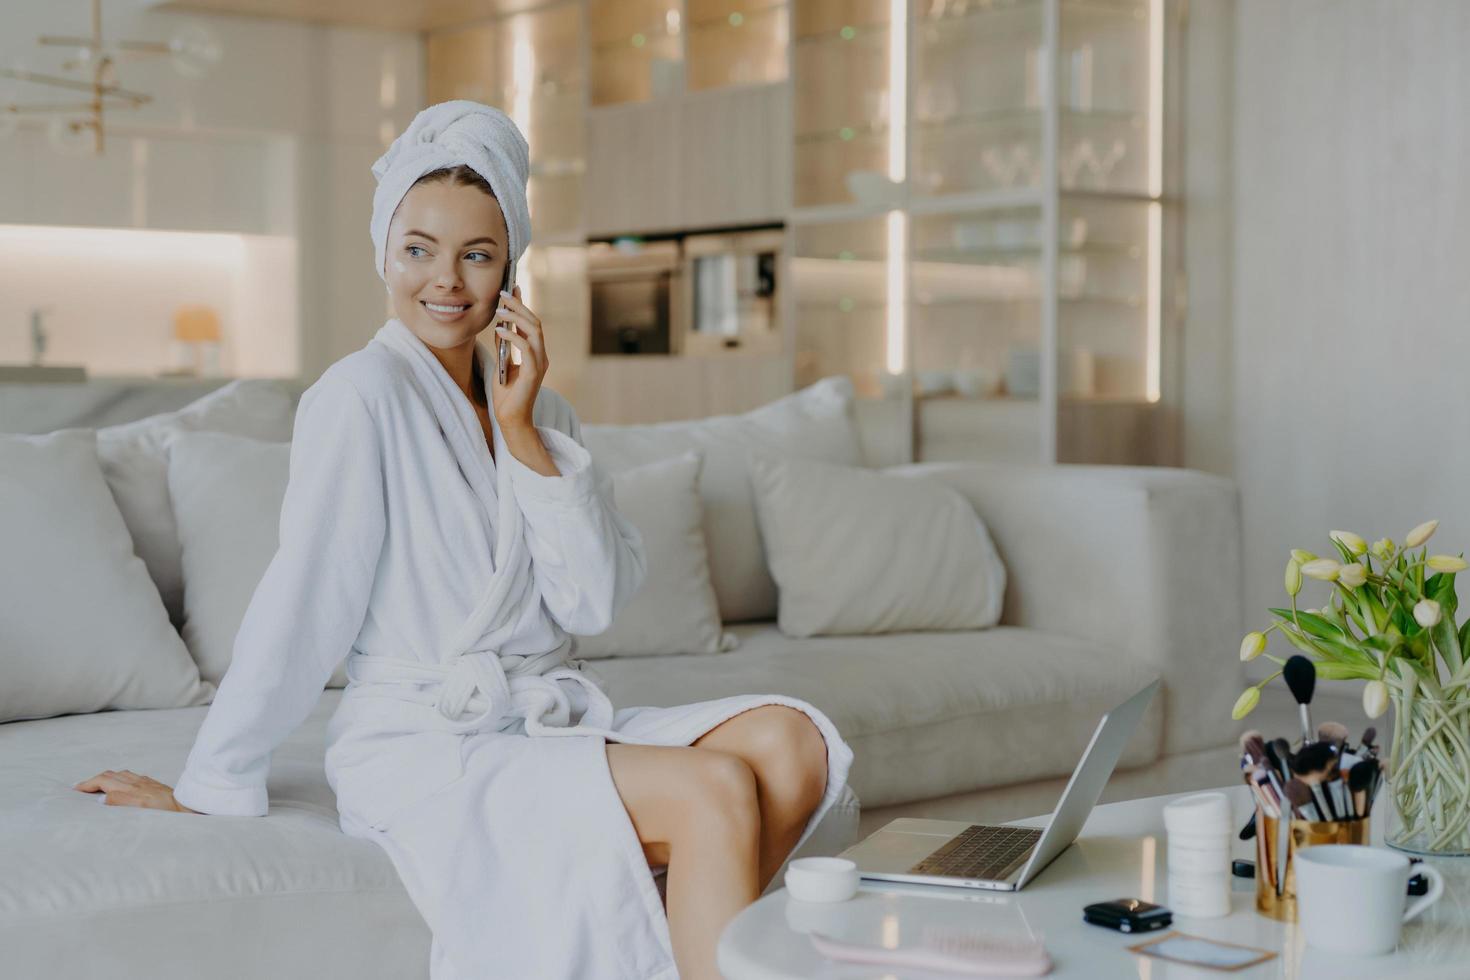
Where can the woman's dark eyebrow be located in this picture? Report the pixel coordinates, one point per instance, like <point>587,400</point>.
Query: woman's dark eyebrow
<point>475,241</point>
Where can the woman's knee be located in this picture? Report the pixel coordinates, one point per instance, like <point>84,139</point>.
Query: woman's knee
<point>722,791</point>
<point>791,755</point>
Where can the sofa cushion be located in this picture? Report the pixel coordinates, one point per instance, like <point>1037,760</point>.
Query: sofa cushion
<point>226,492</point>
<point>81,625</point>
<point>814,423</point>
<point>856,551</point>
<point>97,890</point>
<point>135,459</point>
<point>92,890</point>
<point>674,611</point>
<point>926,714</point>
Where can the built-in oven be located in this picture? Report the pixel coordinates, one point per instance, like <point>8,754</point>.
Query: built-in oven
<point>686,293</point>
<point>636,296</point>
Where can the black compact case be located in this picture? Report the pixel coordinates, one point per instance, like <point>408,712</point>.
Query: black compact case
<point>1128,915</point>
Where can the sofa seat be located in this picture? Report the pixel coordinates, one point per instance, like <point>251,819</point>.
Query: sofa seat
<point>927,714</point>
<point>91,890</point>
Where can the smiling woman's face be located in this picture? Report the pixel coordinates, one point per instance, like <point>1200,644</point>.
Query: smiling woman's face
<point>445,261</point>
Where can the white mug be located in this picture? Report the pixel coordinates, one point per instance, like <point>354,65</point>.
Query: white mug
<point>1350,898</point>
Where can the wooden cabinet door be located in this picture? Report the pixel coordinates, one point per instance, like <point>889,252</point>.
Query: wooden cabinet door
<point>734,156</point>
<point>632,181</point>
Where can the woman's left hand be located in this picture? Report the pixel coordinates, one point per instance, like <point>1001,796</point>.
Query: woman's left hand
<point>513,401</point>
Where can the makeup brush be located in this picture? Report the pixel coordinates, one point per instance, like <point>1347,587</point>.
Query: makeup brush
<point>1297,797</point>
<point>1360,780</point>
<point>1252,755</point>
<point>1333,732</point>
<point>1336,735</point>
<point>1376,769</point>
<point>1311,766</point>
<point>1369,734</point>
<point>1253,748</point>
<point>1301,677</point>
<point>1279,751</point>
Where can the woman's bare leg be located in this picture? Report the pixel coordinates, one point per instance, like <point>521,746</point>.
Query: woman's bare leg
<point>788,755</point>
<point>696,811</point>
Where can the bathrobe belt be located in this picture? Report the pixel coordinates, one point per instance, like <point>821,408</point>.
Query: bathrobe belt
<point>496,688</point>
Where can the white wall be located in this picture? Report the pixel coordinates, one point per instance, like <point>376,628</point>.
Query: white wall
<point>1203,356</point>
<point>1352,275</point>
<point>279,139</point>
<point>121,322</point>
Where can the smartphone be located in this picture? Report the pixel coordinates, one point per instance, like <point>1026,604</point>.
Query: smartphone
<point>502,346</point>
<point>1128,915</point>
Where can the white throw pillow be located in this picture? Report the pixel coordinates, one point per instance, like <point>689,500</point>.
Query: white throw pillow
<point>135,460</point>
<point>813,423</point>
<point>227,492</point>
<point>855,550</point>
<point>81,624</point>
<point>675,610</point>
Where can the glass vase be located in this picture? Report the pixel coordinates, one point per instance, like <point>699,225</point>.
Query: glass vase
<point>1429,775</point>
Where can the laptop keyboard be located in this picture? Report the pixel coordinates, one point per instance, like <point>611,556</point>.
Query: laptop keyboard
<point>980,852</point>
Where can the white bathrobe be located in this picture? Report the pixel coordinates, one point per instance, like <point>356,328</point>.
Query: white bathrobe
<point>466,744</point>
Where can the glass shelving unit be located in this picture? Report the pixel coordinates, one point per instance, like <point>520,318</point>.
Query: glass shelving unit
<point>839,274</point>
<point>1002,163</point>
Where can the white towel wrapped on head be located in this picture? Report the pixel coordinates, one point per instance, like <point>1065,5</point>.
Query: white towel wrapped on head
<point>480,137</point>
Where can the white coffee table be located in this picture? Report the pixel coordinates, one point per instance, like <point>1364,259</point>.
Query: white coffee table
<point>1120,854</point>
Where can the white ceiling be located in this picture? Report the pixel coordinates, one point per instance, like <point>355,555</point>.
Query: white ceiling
<point>398,15</point>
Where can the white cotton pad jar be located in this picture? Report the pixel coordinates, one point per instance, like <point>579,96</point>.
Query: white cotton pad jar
<point>1199,855</point>
<point>821,879</point>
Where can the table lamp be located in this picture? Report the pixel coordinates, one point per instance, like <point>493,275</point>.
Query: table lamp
<point>197,326</point>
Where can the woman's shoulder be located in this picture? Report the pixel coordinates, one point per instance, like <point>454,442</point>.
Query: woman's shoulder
<point>383,382</point>
<point>372,373</point>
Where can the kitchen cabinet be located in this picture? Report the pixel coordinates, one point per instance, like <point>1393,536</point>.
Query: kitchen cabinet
<point>633,185</point>
<point>700,160</point>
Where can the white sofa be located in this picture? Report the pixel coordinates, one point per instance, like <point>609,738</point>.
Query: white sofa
<point>1116,576</point>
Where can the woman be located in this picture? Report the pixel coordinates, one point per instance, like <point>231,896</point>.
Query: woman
<point>447,532</point>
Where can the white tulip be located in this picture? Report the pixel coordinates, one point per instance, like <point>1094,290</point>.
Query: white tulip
<point>1427,613</point>
<point>1301,557</point>
<point>1352,575</point>
<point>1293,578</point>
<point>1382,548</point>
<point>1446,563</point>
<point>1246,703</point>
<point>1252,646</point>
<point>1323,569</point>
<point>1420,534</point>
<point>1375,698</point>
<point>1354,544</point>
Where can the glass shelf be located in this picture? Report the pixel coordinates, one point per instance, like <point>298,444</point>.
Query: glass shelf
<point>977,10</point>
<point>839,275</point>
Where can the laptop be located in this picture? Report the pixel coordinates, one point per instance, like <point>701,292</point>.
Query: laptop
<point>947,852</point>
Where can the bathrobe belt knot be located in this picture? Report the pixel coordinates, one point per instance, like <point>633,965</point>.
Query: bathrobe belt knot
<point>496,689</point>
<point>476,673</point>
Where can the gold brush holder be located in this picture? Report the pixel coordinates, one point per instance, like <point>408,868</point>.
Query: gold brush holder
<point>1300,834</point>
